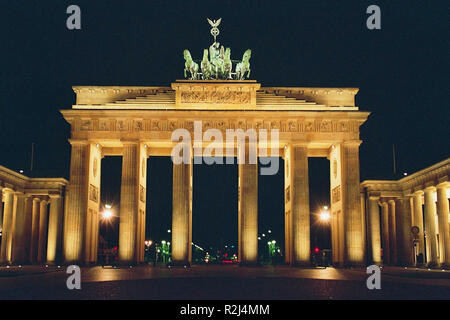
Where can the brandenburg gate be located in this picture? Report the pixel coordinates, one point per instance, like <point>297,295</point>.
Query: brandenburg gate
<point>137,122</point>
<point>185,120</point>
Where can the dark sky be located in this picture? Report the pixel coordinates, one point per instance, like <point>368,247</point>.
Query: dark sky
<point>402,71</point>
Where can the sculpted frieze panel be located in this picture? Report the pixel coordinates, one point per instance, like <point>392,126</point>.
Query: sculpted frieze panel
<point>232,97</point>
<point>291,125</point>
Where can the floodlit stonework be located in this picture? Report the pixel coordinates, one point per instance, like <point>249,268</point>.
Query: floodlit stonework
<point>137,122</point>
<point>390,222</point>
<point>415,218</point>
<point>31,218</point>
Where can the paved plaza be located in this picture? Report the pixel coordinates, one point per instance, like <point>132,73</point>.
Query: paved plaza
<point>221,282</point>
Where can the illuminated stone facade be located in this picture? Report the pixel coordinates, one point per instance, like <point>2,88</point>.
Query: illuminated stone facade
<point>31,218</point>
<point>414,228</point>
<point>137,123</point>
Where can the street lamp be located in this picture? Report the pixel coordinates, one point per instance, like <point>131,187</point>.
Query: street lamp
<point>107,213</point>
<point>324,214</point>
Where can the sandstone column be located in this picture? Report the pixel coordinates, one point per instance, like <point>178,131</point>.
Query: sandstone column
<point>430,225</point>
<point>34,240</point>
<point>385,227</point>
<point>392,233</point>
<point>353,219</point>
<point>418,222</point>
<point>43,221</point>
<point>299,208</point>
<point>248,207</point>
<point>21,219</point>
<point>374,229</point>
<point>75,215</point>
<point>403,228</point>
<point>5,252</point>
<point>182,211</point>
<point>128,204</point>
<point>54,229</point>
<point>443,219</point>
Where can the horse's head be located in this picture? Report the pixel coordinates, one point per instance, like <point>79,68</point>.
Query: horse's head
<point>187,55</point>
<point>228,53</point>
<point>247,55</point>
<point>205,55</point>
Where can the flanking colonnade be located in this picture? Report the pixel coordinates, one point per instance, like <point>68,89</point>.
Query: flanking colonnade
<point>31,215</point>
<point>408,219</point>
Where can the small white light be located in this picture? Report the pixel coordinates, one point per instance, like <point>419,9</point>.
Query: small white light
<point>405,174</point>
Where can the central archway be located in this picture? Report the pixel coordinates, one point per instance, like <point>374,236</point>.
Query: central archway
<point>215,213</point>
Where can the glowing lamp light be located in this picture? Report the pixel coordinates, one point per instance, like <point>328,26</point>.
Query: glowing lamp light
<point>316,250</point>
<point>107,214</point>
<point>324,216</point>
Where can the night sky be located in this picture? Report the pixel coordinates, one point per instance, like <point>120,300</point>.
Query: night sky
<point>402,71</point>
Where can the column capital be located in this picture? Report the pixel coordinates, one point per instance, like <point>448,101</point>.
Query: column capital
<point>78,142</point>
<point>443,185</point>
<point>298,144</point>
<point>54,194</point>
<point>418,193</point>
<point>129,142</point>
<point>352,143</point>
<point>8,190</point>
<point>19,194</point>
<point>430,189</point>
<point>36,199</point>
<point>392,201</point>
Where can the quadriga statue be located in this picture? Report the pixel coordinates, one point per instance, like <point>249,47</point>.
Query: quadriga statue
<point>244,66</point>
<point>190,66</point>
<point>206,66</point>
<point>227,64</point>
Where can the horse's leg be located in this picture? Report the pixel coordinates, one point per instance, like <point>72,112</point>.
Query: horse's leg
<point>248,74</point>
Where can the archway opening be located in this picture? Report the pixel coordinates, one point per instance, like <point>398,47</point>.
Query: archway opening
<point>108,235</point>
<point>215,213</point>
<point>319,205</point>
<point>158,221</point>
<point>271,221</point>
